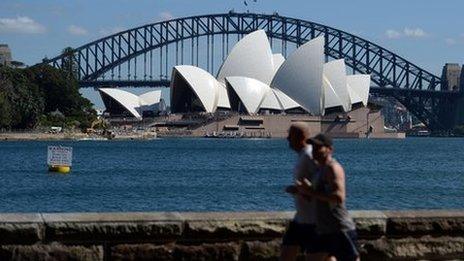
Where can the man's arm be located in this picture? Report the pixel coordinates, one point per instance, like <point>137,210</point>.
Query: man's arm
<point>293,189</point>
<point>336,178</point>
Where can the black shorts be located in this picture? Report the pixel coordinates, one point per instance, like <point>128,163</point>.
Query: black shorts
<point>341,245</point>
<point>303,235</point>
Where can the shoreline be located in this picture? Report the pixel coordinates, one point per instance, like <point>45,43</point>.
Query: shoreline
<point>76,136</point>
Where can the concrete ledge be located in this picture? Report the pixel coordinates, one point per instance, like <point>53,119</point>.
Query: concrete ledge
<point>102,227</point>
<point>411,248</point>
<point>21,228</point>
<point>425,222</point>
<point>226,226</point>
<point>370,224</point>
<point>384,235</point>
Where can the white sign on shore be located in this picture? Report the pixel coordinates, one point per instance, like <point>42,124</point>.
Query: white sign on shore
<point>59,156</point>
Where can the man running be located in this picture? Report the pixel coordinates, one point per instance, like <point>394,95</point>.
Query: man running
<point>301,231</point>
<point>335,226</point>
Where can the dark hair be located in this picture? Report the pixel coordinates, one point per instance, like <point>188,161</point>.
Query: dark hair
<point>321,139</point>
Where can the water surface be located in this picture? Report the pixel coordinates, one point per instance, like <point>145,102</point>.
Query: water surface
<point>225,175</point>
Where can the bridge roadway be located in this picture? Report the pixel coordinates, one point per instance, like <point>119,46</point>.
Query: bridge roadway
<point>144,56</point>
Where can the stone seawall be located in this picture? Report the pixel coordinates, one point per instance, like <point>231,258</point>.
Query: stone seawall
<point>383,235</point>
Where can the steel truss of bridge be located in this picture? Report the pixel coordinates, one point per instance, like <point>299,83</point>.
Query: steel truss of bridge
<point>143,56</point>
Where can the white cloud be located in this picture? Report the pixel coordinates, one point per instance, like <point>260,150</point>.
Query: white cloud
<point>450,41</point>
<point>21,24</point>
<point>455,40</point>
<point>110,31</point>
<point>163,16</point>
<point>392,34</point>
<point>406,32</point>
<point>414,32</point>
<point>77,30</point>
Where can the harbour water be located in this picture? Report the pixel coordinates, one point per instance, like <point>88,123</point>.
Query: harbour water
<point>224,175</point>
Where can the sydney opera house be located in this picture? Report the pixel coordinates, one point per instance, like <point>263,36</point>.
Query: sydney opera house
<point>253,79</point>
<point>262,91</point>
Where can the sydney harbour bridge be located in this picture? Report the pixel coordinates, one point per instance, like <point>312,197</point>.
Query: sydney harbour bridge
<point>144,56</point>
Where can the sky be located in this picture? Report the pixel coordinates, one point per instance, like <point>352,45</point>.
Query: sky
<point>428,33</point>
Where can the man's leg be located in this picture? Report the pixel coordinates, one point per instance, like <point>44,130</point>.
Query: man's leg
<point>291,242</point>
<point>289,253</point>
<point>318,257</point>
<point>345,246</point>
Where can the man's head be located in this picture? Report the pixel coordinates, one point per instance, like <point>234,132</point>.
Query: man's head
<point>297,136</point>
<point>322,147</point>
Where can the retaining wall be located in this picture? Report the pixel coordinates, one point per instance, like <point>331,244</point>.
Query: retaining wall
<point>384,235</point>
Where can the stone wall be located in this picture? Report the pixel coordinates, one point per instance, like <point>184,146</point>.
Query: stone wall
<point>384,235</point>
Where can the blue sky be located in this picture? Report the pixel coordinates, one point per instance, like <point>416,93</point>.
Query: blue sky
<point>428,33</point>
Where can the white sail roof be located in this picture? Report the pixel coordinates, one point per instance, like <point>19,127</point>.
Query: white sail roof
<point>250,91</point>
<point>360,84</point>
<point>335,71</point>
<point>128,100</point>
<point>203,84</point>
<point>223,99</point>
<point>270,101</point>
<point>251,57</point>
<point>300,76</point>
<point>331,97</point>
<point>278,59</point>
<point>286,102</point>
<point>355,98</point>
<point>150,98</point>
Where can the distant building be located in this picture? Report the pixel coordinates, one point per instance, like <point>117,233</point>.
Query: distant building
<point>452,75</point>
<point>5,55</point>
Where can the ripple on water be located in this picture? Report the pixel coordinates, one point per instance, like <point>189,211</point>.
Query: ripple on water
<point>225,175</point>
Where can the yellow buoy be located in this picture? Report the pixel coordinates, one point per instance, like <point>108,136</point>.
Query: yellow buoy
<point>60,169</point>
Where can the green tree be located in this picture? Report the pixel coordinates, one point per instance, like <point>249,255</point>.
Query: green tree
<point>61,93</point>
<point>29,95</point>
<point>70,65</point>
<point>5,111</point>
<point>22,101</point>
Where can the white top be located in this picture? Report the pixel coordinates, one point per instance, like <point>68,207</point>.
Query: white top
<point>305,167</point>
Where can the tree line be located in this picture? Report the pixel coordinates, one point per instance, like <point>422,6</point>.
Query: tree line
<point>42,96</point>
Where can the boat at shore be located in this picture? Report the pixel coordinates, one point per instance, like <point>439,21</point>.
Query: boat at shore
<point>92,139</point>
<point>237,135</point>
